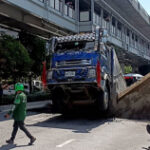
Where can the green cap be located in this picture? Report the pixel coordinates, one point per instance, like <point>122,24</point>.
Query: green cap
<point>19,87</point>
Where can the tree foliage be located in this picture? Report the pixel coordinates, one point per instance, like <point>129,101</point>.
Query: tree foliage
<point>36,49</point>
<point>14,58</point>
<point>21,57</point>
<point>127,69</point>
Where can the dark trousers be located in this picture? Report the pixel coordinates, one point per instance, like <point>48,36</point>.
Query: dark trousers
<point>20,124</point>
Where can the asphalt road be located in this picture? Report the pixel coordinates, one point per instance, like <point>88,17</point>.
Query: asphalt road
<point>77,132</point>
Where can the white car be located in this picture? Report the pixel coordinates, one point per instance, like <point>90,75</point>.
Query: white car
<point>132,78</point>
<point>10,90</point>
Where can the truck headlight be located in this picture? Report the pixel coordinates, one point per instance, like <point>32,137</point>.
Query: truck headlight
<point>49,75</point>
<point>91,73</point>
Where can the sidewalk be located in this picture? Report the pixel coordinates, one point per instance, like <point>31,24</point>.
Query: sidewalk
<point>30,105</point>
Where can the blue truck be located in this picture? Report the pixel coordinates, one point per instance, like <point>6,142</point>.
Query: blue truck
<point>81,71</point>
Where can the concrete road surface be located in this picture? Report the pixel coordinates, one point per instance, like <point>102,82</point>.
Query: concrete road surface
<point>55,132</point>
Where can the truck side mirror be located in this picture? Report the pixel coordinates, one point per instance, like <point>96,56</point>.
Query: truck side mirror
<point>97,38</point>
<point>47,48</point>
<point>51,46</point>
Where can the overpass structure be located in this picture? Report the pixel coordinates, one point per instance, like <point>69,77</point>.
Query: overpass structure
<point>127,22</point>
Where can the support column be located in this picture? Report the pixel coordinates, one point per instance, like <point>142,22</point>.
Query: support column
<point>116,31</point>
<point>92,10</point>
<point>77,15</point>
<point>110,24</point>
<point>77,11</point>
<point>125,34</point>
<point>63,7</point>
<point>121,32</point>
<point>101,16</point>
<point>130,38</point>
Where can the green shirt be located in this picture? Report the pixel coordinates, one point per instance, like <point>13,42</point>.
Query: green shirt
<point>19,108</point>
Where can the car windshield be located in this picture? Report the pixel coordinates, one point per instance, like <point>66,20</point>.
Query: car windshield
<point>74,46</point>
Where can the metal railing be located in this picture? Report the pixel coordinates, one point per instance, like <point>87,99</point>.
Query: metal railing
<point>58,6</point>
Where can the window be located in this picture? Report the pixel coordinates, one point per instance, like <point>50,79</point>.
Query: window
<point>119,26</point>
<point>128,32</point>
<point>76,46</point>
<point>136,38</point>
<point>132,36</point>
<point>113,21</point>
<point>84,16</point>
<point>57,5</point>
<point>52,3</point>
<point>106,16</point>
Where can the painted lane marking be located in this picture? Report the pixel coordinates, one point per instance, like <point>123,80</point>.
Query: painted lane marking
<point>65,143</point>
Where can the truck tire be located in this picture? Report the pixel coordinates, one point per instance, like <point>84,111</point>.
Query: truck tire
<point>103,100</point>
<point>57,99</point>
<point>59,106</point>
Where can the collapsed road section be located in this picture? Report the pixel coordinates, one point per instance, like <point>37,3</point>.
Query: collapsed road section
<point>134,102</point>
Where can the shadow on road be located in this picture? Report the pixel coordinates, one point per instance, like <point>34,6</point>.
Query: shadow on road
<point>7,147</point>
<point>81,122</point>
<point>12,146</point>
<point>146,148</point>
<point>2,118</point>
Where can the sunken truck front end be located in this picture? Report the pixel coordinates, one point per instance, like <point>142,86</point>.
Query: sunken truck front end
<point>79,72</point>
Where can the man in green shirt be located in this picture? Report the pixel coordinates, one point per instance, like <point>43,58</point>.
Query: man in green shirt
<point>19,114</point>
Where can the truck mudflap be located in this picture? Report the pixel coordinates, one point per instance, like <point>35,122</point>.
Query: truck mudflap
<point>134,102</point>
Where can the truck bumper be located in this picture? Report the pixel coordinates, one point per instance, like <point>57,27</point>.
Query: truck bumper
<point>75,93</point>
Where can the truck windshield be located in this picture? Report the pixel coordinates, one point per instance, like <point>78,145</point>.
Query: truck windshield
<point>75,46</point>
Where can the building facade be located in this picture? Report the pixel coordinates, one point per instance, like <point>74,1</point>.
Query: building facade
<point>127,23</point>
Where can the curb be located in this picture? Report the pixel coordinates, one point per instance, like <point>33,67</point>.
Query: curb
<point>30,105</point>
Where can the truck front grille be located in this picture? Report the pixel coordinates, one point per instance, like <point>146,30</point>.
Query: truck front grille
<point>73,63</point>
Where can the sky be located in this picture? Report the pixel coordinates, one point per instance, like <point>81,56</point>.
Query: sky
<point>146,5</point>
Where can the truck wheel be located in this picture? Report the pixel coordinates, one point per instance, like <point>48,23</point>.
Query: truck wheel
<point>58,98</point>
<point>103,100</point>
<point>59,106</point>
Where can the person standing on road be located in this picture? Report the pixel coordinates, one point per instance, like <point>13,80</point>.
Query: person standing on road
<point>19,114</point>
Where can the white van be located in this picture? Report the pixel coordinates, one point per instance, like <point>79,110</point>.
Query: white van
<point>132,78</point>
<point>37,84</point>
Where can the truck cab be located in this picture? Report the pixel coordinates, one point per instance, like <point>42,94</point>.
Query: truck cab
<point>80,70</point>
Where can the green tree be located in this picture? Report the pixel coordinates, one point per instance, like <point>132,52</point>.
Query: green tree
<point>128,69</point>
<point>14,58</point>
<point>37,50</point>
